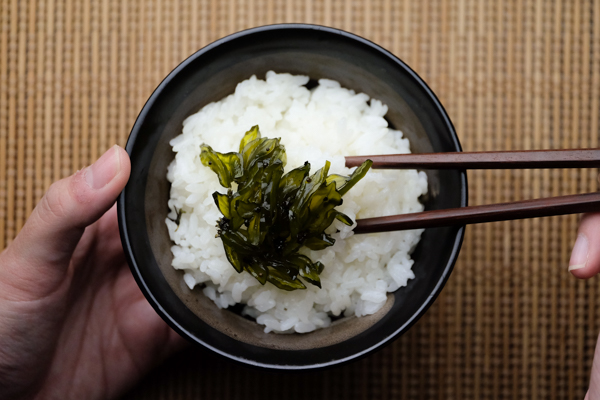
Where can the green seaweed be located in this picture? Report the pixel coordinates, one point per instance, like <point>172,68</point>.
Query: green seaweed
<point>271,215</point>
<point>178,212</point>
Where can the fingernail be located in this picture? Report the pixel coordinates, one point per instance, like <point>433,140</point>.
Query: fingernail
<point>579,255</point>
<point>100,173</point>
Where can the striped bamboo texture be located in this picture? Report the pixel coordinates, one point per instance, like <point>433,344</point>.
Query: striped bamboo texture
<point>511,322</point>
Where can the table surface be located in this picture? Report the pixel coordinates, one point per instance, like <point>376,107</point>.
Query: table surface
<point>510,323</point>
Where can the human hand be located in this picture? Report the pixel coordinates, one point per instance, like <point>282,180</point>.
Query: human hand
<point>73,323</point>
<point>585,263</point>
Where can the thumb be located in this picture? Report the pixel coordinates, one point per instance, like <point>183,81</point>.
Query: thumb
<point>585,257</point>
<point>36,262</point>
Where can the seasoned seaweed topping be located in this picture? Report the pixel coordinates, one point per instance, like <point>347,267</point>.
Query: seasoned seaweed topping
<point>272,215</point>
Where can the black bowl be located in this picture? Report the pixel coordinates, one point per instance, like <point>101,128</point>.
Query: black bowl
<point>209,75</point>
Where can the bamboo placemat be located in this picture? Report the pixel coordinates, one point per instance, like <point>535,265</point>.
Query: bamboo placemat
<point>511,322</point>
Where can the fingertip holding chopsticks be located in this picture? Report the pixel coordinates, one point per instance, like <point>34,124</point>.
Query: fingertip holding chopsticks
<point>527,159</point>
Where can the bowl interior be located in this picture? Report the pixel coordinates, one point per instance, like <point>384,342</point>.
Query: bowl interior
<point>211,74</point>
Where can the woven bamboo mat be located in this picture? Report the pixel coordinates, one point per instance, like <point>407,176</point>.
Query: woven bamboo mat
<point>511,322</point>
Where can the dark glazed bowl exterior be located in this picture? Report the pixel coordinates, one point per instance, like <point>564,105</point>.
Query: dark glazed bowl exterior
<point>211,74</point>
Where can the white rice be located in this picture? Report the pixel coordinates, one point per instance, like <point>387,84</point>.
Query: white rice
<point>325,123</point>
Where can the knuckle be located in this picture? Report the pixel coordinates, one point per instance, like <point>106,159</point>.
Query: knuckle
<point>54,203</point>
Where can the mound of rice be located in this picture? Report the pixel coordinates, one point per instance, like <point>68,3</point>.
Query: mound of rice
<point>316,125</point>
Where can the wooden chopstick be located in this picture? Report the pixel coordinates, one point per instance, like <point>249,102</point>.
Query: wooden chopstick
<point>576,158</point>
<point>571,204</point>
<point>578,203</point>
